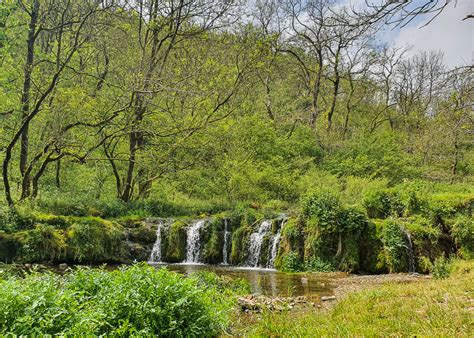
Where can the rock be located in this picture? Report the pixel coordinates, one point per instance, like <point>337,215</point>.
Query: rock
<point>63,266</point>
<point>326,298</point>
<point>247,304</point>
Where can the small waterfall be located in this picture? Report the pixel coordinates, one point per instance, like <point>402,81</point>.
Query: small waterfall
<point>274,247</point>
<point>274,250</point>
<point>411,255</point>
<point>225,248</point>
<point>193,244</point>
<point>155,256</point>
<point>256,240</point>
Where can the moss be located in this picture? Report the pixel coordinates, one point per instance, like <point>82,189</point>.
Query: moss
<point>94,239</point>
<point>142,234</point>
<point>61,222</point>
<point>174,242</point>
<point>240,238</point>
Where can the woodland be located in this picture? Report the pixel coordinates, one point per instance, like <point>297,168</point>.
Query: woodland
<point>126,120</point>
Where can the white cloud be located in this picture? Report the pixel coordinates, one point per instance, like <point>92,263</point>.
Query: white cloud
<point>447,33</point>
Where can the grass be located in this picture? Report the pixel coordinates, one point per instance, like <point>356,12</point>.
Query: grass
<point>425,308</point>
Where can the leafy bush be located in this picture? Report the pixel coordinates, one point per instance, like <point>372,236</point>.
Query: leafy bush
<point>290,262</point>
<point>131,301</point>
<point>316,264</point>
<point>442,268</point>
<point>463,234</point>
<point>383,204</point>
<point>395,247</point>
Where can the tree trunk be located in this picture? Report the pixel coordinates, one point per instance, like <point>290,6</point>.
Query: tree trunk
<point>25,99</point>
<point>316,90</point>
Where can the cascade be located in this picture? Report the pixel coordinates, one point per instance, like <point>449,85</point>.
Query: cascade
<point>155,255</point>
<point>256,240</point>
<point>226,245</point>
<point>275,245</point>
<point>411,255</point>
<point>193,243</point>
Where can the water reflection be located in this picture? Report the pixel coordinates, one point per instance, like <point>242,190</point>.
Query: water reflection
<point>265,281</point>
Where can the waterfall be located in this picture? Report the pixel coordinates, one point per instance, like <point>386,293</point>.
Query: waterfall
<point>411,255</point>
<point>274,247</point>
<point>226,245</point>
<point>193,244</point>
<point>155,255</point>
<point>256,240</point>
<point>274,250</point>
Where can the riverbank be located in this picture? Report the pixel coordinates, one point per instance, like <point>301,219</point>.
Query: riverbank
<point>399,304</point>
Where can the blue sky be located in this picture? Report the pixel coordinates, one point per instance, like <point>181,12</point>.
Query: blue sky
<point>447,33</point>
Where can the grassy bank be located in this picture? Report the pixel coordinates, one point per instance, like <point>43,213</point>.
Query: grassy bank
<point>427,308</point>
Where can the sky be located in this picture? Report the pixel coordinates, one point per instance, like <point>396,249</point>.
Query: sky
<point>448,33</point>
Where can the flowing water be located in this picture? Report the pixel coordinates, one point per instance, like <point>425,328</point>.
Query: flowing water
<point>274,250</point>
<point>256,240</point>
<point>225,248</point>
<point>411,255</point>
<point>265,281</point>
<point>155,255</point>
<point>193,243</point>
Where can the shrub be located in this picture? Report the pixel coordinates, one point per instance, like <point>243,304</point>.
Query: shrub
<point>131,301</point>
<point>290,262</point>
<point>395,247</point>
<point>463,235</point>
<point>442,268</point>
<point>383,204</point>
<point>316,264</point>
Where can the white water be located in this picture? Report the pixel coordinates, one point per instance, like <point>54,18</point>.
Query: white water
<point>275,245</point>
<point>155,256</point>
<point>411,256</point>
<point>274,250</point>
<point>226,244</point>
<point>193,243</point>
<point>256,240</point>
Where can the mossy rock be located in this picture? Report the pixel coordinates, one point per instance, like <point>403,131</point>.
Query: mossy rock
<point>212,235</point>
<point>60,222</point>
<point>93,239</point>
<point>240,239</point>
<point>174,242</point>
<point>143,234</point>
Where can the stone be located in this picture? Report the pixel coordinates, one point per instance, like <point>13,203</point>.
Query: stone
<point>326,298</point>
<point>248,304</point>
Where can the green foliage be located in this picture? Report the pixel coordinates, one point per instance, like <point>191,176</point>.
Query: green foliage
<point>316,264</point>
<point>136,300</point>
<point>463,233</point>
<point>394,246</point>
<point>383,204</point>
<point>442,268</point>
<point>290,262</point>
